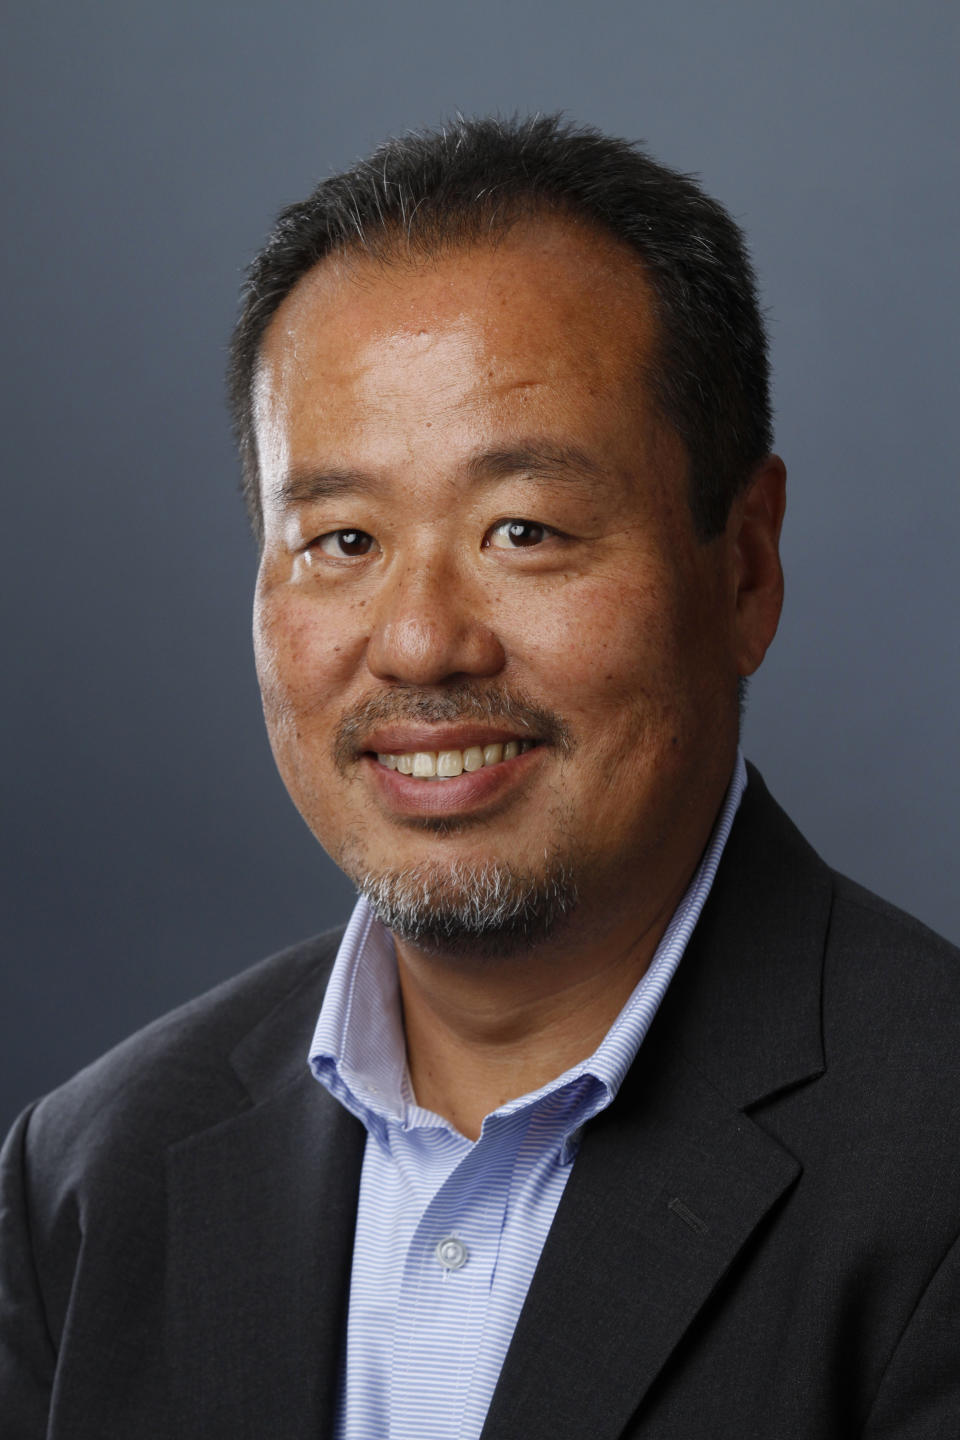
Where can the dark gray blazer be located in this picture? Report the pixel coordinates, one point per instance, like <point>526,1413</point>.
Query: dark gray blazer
<point>758,1238</point>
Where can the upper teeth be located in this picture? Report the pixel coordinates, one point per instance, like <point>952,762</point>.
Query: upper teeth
<point>444,764</point>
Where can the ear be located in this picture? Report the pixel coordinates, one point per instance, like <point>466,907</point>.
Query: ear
<point>753,533</point>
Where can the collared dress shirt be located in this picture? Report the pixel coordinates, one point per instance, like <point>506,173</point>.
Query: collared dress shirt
<point>449,1230</point>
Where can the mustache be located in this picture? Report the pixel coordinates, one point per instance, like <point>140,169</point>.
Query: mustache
<point>458,703</point>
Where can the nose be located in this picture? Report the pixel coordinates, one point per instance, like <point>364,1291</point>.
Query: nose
<point>431,626</point>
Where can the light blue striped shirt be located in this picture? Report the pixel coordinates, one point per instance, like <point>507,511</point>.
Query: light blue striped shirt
<point>449,1231</point>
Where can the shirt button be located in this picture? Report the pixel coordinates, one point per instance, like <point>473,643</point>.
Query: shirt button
<point>452,1253</point>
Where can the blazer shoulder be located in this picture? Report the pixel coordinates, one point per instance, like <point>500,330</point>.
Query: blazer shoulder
<point>864,932</point>
<point>870,934</point>
<point>891,1036</point>
<point>175,1076</point>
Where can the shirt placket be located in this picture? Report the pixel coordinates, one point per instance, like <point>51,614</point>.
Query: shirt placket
<point>448,1275</point>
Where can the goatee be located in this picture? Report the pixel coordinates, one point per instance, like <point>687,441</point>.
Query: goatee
<point>481,910</point>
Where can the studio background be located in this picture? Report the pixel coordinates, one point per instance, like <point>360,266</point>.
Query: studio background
<point>149,849</point>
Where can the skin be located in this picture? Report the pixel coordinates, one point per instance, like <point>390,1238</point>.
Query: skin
<point>382,394</point>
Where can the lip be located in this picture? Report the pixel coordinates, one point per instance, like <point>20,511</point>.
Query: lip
<point>407,739</point>
<point>459,795</point>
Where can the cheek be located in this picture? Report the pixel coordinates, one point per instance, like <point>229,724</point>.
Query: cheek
<point>624,665</point>
<point>299,658</point>
<point>603,643</point>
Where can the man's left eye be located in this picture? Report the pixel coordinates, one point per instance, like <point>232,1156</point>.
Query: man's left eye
<point>515,534</point>
<point>345,543</point>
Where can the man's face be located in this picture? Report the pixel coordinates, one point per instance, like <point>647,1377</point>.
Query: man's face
<point>477,534</point>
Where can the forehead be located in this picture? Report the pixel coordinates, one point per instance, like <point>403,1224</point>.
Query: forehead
<point>550,302</point>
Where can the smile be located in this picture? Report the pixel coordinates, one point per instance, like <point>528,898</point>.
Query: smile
<point>448,764</point>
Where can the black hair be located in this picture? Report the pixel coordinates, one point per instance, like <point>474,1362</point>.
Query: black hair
<point>430,191</point>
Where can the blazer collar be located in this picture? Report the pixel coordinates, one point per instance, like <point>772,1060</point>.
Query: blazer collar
<point>745,1004</point>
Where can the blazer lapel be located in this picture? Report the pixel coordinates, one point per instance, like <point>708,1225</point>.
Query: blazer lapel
<point>661,1200</point>
<point>674,1178</point>
<point>261,1219</point>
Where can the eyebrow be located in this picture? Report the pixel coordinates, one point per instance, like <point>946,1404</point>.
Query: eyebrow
<point>563,463</point>
<point>547,462</point>
<point>306,487</point>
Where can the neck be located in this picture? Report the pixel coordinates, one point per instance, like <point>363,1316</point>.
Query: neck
<point>482,1032</point>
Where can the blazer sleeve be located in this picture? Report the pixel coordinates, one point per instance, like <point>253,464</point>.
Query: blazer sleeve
<point>919,1395</point>
<point>27,1356</point>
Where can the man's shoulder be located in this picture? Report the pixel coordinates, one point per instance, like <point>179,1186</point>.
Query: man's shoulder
<point>862,915</point>
<point>178,1075</point>
<point>861,926</point>
<point>802,962</point>
<point>876,991</point>
<point>885,972</point>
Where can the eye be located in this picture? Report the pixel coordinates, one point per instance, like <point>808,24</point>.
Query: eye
<point>345,544</point>
<point>515,534</point>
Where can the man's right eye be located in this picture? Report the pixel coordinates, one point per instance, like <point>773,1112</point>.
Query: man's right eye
<point>345,544</point>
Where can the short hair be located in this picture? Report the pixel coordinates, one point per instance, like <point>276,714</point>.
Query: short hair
<point>433,190</point>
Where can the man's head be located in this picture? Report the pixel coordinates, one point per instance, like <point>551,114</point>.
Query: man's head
<point>427,193</point>
<point>478,538</point>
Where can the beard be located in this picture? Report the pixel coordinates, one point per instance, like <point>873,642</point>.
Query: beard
<point>482,910</point>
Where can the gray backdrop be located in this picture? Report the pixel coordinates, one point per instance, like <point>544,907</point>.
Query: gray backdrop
<point>149,847</point>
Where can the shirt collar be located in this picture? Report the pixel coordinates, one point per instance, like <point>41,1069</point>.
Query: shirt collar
<point>358,1050</point>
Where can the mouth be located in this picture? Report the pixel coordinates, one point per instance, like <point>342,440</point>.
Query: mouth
<point>448,770</point>
<point>448,764</point>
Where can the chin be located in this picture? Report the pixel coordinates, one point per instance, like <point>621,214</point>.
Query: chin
<point>483,909</point>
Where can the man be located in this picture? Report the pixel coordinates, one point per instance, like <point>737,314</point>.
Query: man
<point>624,1116</point>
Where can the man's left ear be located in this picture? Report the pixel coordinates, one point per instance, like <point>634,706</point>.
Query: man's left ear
<point>753,531</point>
